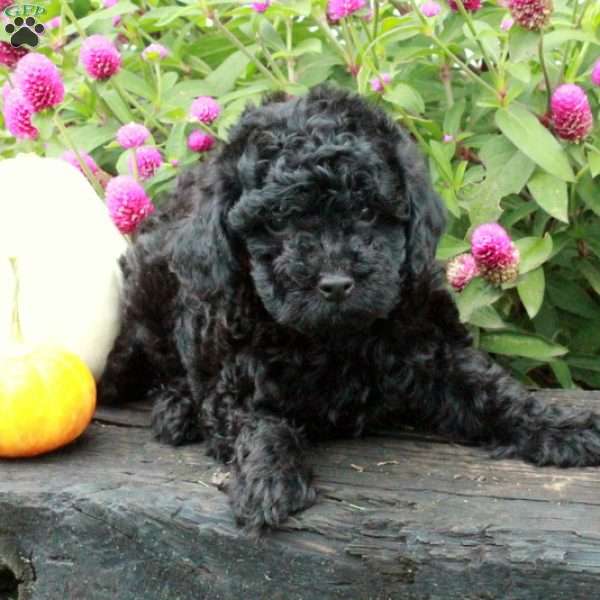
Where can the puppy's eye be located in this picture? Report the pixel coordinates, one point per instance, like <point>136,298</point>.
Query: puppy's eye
<point>276,225</point>
<point>366,216</point>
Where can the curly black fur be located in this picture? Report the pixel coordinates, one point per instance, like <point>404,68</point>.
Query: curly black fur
<point>231,325</point>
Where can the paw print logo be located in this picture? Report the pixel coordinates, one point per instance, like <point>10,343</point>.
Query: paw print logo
<point>24,32</point>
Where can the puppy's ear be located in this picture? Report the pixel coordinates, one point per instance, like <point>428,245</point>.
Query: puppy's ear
<point>206,256</point>
<point>427,211</point>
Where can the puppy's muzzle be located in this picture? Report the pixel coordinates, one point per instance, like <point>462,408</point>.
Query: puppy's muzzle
<point>335,288</point>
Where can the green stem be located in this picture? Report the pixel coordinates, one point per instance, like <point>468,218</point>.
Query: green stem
<point>234,40</point>
<point>270,60</point>
<point>289,46</point>
<point>467,17</point>
<point>545,71</point>
<point>17,334</point>
<point>72,18</point>
<point>84,167</point>
<point>127,98</point>
<point>158,76</point>
<point>467,71</point>
<point>325,29</point>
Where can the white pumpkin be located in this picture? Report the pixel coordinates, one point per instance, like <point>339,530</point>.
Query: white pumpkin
<point>67,248</point>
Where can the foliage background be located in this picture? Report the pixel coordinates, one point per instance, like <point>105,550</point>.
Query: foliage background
<point>456,75</point>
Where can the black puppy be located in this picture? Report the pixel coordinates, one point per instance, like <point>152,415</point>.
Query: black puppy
<point>288,292</point>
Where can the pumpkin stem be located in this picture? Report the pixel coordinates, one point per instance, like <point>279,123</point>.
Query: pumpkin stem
<point>17,334</point>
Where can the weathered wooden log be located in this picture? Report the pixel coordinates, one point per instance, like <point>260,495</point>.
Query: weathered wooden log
<point>401,515</point>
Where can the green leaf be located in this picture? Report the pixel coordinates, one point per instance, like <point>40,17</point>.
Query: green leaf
<point>453,116</point>
<point>136,84</point>
<point>551,194</point>
<point>269,35</point>
<point>487,318</point>
<point>593,157</point>
<point>569,296</point>
<point>406,97</point>
<point>450,247</point>
<point>478,293</point>
<point>116,104</point>
<point>521,344</point>
<point>531,291</point>
<point>533,139</point>
<point>591,273</point>
<point>90,137</point>
<point>507,171</point>
<point>534,251</point>
<point>563,374</point>
<point>176,142</point>
<point>44,123</point>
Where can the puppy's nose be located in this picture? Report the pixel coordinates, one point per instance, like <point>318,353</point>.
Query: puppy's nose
<point>335,287</point>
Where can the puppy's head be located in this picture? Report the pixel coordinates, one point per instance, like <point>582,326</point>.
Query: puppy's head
<point>333,210</point>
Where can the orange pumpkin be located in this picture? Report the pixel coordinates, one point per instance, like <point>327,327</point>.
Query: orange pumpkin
<point>47,396</point>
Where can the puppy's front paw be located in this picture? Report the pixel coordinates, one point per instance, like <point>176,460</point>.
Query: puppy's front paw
<point>259,501</point>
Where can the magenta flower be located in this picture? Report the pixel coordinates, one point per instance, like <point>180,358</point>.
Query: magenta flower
<point>340,9</point>
<point>460,270</point>
<point>379,83</point>
<point>127,202</point>
<point>10,56</point>
<point>470,5</point>
<point>531,14</point>
<point>71,158</point>
<point>154,52</point>
<point>148,159</point>
<point>596,73</point>
<point>132,135</point>
<point>99,57</point>
<point>571,114</point>
<point>448,138</point>
<point>496,256</point>
<point>431,9</point>
<point>17,114</point>
<point>40,81</point>
<point>261,7</point>
<point>109,3</point>
<point>198,141</point>
<point>53,23</point>
<point>205,109</point>
<point>507,23</point>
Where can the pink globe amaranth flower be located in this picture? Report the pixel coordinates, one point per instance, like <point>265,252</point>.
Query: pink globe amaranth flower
<point>448,138</point>
<point>470,5</point>
<point>496,256</point>
<point>198,141</point>
<point>379,83</point>
<point>148,159</point>
<point>109,3</point>
<point>596,73</point>
<point>205,109</point>
<point>460,270</point>
<point>261,7</point>
<point>17,114</point>
<point>53,23</point>
<point>40,81</point>
<point>10,56</point>
<point>340,9</point>
<point>71,158</point>
<point>174,163</point>
<point>571,114</point>
<point>507,23</point>
<point>99,57</point>
<point>154,53</point>
<point>127,202</point>
<point>6,3</point>
<point>531,14</point>
<point>116,20</point>
<point>132,135</point>
<point>431,9</point>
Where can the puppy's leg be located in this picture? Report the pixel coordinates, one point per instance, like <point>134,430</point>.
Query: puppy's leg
<point>175,418</point>
<point>269,479</point>
<point>479,401</point>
